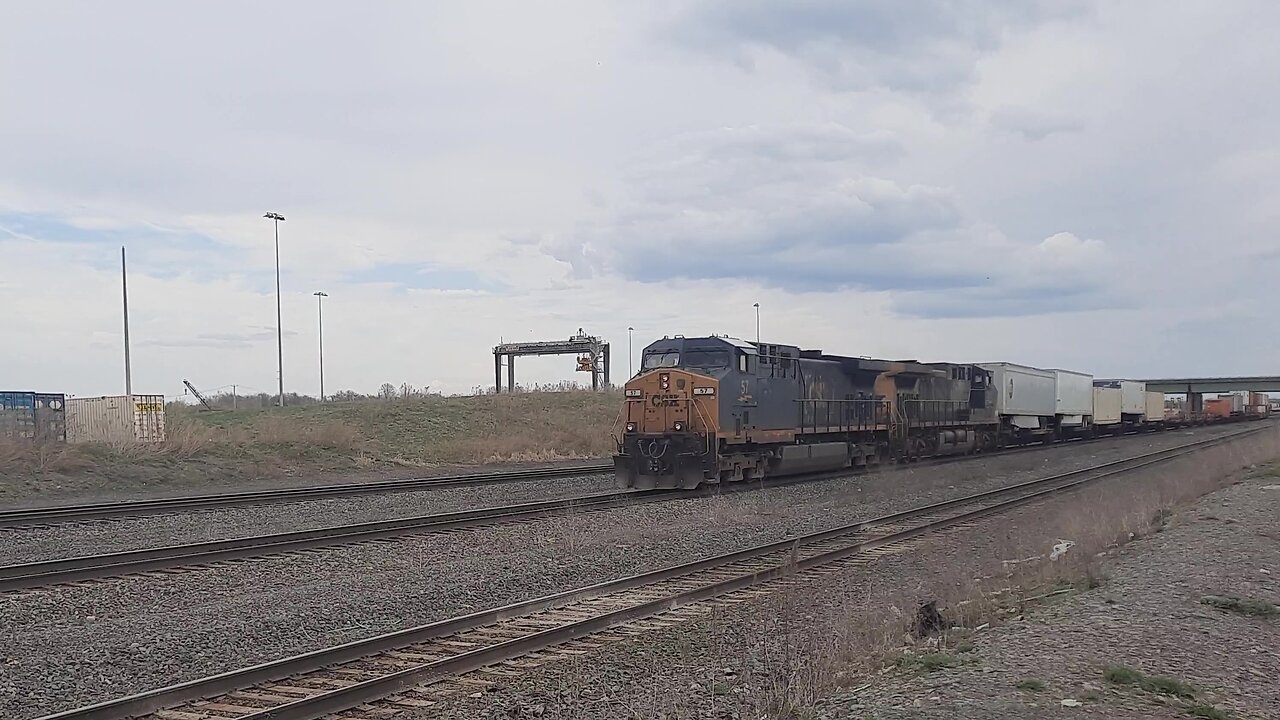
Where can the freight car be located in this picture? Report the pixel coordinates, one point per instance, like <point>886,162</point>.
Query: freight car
<point>713,409</point>
<point>718,409</point>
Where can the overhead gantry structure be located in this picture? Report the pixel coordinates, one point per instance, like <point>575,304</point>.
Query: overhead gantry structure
<point>592,352</point>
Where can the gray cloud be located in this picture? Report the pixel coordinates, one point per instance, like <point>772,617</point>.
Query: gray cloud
<point>915,47</point>
<point>803,211</point>
<point>1032,124</point>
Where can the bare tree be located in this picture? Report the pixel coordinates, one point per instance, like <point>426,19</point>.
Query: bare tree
<point>387,391</point>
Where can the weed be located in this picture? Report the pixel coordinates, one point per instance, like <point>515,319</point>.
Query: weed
<point>1252,607</point>
<point>1169,686</point>
<point>1121,675</point>
<point>1211,712</point>
<point>965,646</point>
<point>1031,685</point>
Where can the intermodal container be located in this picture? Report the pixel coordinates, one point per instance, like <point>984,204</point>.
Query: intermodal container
<point>18,415</point>
<point>1257,398</point>
<point>1237,402</point>
<point>1155,406</point>
<point>116,419</point>
<point>50,417</point>
<point>1106,405</point>
<point>1074,393</point>
<point>1023,391</point>
<point>1218,407</point>
<point>1133,396</point>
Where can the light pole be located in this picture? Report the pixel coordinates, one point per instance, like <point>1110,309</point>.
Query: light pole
<point>757,307</point>
<point>124,288</point>
<point>277,218</point>
<point>630,369</point>
<point>320,296</point>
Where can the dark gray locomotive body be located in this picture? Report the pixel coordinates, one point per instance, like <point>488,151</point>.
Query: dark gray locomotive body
<point>716,409</point>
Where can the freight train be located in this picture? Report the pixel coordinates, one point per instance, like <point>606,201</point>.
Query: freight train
<point>718,409</point>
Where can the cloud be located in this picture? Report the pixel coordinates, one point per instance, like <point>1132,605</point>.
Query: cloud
<point>1031,124</point>
<point>798,209</point>
<point>927,47</point>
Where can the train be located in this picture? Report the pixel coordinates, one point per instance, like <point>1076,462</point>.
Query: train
<point>718,409</point>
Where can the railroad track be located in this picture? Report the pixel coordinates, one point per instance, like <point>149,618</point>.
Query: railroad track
<point>57,571</point>
<point>418,667</point>
<point>130,508</point>
<point>31,575</point>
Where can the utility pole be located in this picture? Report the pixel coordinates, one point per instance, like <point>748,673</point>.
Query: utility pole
<point>233,397</point>
<point>757,307</point>
<point>124,288</point>
<point>320,296</point>
<point>277,218</point>
<point>630,371</point>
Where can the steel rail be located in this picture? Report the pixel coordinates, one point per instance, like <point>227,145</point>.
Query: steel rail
<point>127,508</point>
<point>35,574</point>
<point>29,575</point>
<point>782,559</point>
<point>19,517</point>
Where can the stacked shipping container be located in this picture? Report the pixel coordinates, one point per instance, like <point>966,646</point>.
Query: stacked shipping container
<point>33,416</point>
<point>116,419</point>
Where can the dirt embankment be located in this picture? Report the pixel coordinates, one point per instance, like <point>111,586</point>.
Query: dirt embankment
<point>211,451</point>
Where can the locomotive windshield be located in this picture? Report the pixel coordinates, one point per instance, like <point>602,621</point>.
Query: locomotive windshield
<point>661,359</point>
<point>705,359</point>
<point>701,359</point>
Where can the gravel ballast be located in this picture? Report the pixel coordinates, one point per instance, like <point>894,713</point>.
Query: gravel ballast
<point>20,545</point>
<point>808,651</point>
<point>75,645</point>
<point>31,544</point>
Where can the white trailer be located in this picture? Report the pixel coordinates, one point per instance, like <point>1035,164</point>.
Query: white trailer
<point>1155,407</point>
<point>1106,406</point>
<point>1133,397</point>
<point>1074,398</point>
<point>1026,397</point>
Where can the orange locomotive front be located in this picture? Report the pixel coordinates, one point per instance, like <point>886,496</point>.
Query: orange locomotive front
<point>670,428</point>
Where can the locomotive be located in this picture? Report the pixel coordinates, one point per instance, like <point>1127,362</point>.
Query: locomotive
<point>719,409</point>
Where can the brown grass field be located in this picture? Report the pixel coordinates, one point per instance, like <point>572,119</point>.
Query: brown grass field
<point>296,445</point>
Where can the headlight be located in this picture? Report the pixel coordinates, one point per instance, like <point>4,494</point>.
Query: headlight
<point>664,380</point>
<point>704,391</point>
<point>633,392</point>
<point>679,426</point>
<point>631,427</point>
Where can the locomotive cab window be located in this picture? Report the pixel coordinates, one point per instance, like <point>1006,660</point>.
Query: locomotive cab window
<point>742,362</point>
<point>705,359</point>
<point>661,359</point>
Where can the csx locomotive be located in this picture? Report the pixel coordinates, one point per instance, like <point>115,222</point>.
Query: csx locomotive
<point>718,409</point>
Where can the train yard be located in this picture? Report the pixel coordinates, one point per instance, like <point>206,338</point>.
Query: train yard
<point>354,678</point>
<point>293,603</point>
<point>153,557</point>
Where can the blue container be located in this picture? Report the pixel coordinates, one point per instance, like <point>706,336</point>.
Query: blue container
<point>18,415</point>
<point>50,417</point>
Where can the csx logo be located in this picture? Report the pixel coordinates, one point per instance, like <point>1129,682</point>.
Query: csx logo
<point>665,400</point>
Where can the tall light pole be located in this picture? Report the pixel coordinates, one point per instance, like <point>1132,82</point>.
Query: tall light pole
<point>630,370</point>
<point>320,296</point>
<point>124,288</point>
<point>757,307</point>
<point>277,218</point>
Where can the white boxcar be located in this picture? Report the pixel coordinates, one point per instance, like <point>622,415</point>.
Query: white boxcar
<point>116,419</point>
<point>1074,392</point>
<point>1155,406</point>
<point>1106,405</point>
<point>1024,394</point>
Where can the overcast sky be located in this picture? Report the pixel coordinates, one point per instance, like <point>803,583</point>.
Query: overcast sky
<point>1064,184</point>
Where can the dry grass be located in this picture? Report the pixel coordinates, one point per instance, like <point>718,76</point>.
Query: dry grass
<point>810,654</point>
<point>323,441</point>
